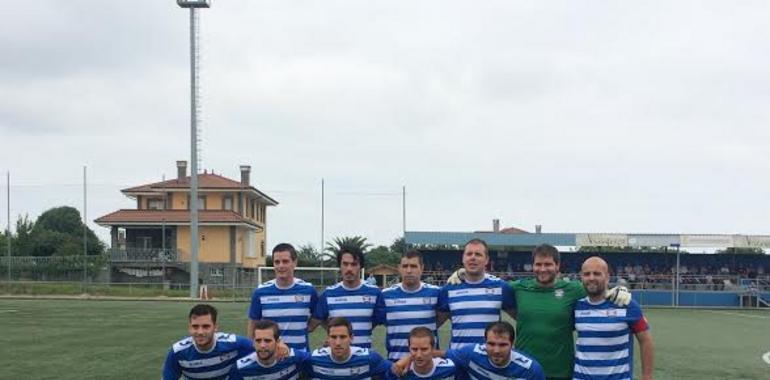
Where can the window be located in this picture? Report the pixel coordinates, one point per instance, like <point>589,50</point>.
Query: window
<point>227,202</point>
<point>155,204</point>
<point>251,244</point>
<point>262,248</point>
<point>201,202</point>
<point>144,242</point>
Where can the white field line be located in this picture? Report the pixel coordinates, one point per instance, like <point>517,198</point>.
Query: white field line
<point>9,311</point>
<point>737,314</point>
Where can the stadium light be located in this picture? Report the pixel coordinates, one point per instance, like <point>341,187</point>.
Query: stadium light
<point>193,5</point>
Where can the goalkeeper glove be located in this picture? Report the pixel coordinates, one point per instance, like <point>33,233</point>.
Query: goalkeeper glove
<point>457,277</point>
<point>619,295</point>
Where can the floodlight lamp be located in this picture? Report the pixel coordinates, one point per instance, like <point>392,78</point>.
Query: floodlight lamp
<point>194,3</point>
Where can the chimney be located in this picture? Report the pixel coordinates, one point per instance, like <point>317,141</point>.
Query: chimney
<point>181,169</point>
<point>245,174</point>
<point>538,228</point>
<point>495,225</point>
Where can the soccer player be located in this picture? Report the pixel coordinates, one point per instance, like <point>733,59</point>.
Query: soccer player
<point>206,353</point>
<point>286,300</point>
<point>496,358</point>
<point>477,300</point>
<point>409,304</point>
<point>352,298</point>
<point>339,360</point>
<point>544,315</point>
<point>422,360</point>
<point>263,363</point>
<point>604,348</point>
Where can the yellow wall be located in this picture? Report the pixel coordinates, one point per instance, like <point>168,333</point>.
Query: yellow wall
<point>179,201</point>
<point>215,248</point>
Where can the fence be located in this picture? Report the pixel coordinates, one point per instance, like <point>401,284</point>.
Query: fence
<point>141,274</point>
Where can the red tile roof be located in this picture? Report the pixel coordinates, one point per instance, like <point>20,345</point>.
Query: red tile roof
<point>224,217</point>
<point>205,181</point>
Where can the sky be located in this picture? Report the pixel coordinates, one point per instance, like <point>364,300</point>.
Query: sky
<point>580,116</point>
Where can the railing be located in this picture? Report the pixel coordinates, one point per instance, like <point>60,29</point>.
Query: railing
<point>144,255</point>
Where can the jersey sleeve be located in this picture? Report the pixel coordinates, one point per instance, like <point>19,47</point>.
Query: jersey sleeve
<point>303,362</point>
<point>321,311</point>
<point>244,345</point>
<point>379,365</point>
<point>509,296</point>
<point>461,356</point>
<point>234,375</point>
<point>379,310</point>
<point>636,320</point>
<point>443,300</point>
<point>255,309</point>
<point>536,371</point>
<point>313,300</point>
<point>171,369</point>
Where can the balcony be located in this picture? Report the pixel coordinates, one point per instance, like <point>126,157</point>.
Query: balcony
<point>154,255</point>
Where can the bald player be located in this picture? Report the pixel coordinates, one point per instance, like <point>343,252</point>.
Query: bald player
<point>604,348</point>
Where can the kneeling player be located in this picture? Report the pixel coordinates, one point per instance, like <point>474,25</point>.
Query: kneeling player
<point>264,363</point>
<point>496,358</point>
<point>206,353</point>
<point>424,365</point>
<point>339,360</point>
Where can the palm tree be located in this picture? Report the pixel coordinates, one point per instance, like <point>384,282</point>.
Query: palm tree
<point>333,247</point>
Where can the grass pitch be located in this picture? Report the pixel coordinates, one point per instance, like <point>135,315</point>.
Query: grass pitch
<point>85,339</point>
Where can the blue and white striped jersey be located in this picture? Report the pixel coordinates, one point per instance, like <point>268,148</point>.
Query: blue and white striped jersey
<point>362,364</point>
<point>290,308</point>
<point>475,361</point>
<point>473,306</point>
<point>604,348</point>
<point>443,369</point>
<point>290,368</point>
<point>184,359</point>
<point>405,310</point>
<point>357,305</point>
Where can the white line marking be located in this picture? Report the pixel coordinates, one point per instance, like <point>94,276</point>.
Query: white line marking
<point>737,314</point>
<point>9,311</point>
<point>766,357</point>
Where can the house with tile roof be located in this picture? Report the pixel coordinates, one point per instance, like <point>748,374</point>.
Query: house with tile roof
<point>156,234</point>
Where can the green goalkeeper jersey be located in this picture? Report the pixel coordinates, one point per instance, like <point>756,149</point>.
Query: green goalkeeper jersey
<point>545,323</point>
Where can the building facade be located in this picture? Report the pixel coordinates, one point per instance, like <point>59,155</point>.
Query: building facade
<point>154,238</point>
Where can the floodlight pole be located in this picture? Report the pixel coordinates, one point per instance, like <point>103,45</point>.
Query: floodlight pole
<point>193,5</point>
<point>8,228</point>
<point>85,228</point>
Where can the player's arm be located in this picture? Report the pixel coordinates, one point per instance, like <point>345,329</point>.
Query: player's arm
<point>255,314</point>
<point>171,369</point>
<point>509,300</point>
<point>313,323</point>
<point>380,366</point>
<point>441,317</point>
<point>442,306</point>
<point>234,375</point>
<point>647,353</point>
<point>401,366</point>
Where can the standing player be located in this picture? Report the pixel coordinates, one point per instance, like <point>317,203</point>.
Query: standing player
<point>263,363</point>
<point>287,300</point>
<point>351,298</point>
<point>496,358</point>
<point>339,360</point>
<point>604,348</point>
<point>422,360</point>
<point>477,300</point>
<point>206,353</point>
<point>544,317</point>
<point>408,304</point>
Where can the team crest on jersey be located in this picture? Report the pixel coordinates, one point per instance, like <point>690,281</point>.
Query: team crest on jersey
<point>559,293</point>
<point>367,299</point>
<point>490,291</point>
<point>298,298</point>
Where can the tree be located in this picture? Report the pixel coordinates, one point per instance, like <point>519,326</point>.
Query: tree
<point>382,255</point>
<point>308,256</point>
<point>22,242</point>
<point>57,232</point>
<point>398,245</point>
<point>333,247</point>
